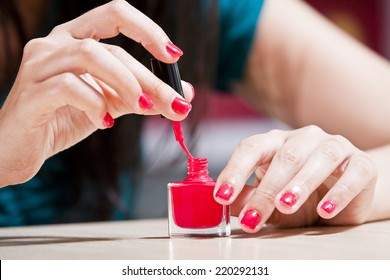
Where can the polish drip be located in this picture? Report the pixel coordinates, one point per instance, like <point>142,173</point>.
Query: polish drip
<point>180,138</point>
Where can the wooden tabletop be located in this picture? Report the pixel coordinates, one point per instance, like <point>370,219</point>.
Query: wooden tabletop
<point>148,239</point>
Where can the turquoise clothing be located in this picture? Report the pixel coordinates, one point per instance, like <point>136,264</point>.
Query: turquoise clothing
<point>45,198</point>
<point>238,21</point>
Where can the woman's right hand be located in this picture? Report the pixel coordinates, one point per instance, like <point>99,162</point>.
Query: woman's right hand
<point>69,84</point>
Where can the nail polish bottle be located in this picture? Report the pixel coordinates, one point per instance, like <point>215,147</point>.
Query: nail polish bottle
<point>191,205</point>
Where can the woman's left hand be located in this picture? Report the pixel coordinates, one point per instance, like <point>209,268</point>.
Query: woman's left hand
<point>302,177</point>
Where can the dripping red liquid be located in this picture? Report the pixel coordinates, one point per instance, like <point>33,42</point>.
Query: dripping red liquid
<point>180,138</point>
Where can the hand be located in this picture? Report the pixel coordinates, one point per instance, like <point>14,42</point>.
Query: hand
<point>69,84</point>
<point>302,177</point>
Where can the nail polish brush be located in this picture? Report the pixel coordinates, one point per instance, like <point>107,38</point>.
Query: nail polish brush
<point>169,74</point>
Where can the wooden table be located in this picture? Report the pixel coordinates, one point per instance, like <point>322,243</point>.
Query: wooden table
<point>148,239</point>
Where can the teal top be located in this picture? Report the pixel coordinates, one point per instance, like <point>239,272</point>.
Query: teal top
<point>45,198</point>
<point>238,21</point>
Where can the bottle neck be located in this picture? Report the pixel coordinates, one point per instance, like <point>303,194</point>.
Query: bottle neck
<point>197,170</point>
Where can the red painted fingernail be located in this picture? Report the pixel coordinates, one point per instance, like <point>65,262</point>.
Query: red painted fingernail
<point>181,106</point>
<point>174,50</point>
<point>250,219</point>
<point>193,91</point>
<point>108,120</point>
<point>328,206</point>
<point>225,192</point>
<point>145,101</point>
<point>288,198</point>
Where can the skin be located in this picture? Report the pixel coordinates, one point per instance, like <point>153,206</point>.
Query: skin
<point>78,82</point>
<point>306,72</point>
<point>301,69</point>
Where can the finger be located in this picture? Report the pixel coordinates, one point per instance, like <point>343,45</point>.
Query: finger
<point>359,178</point>
<point>116,17</point>
<point>259,174</point>
<point>189,91</point>
<point>88,56</point>
<point>165,99</point>
<point>69,89</point>
<point>284,166</point>
<point>249,154</point>
<point>116,105</point>
<point>320,165</point>
<point>242,198</point>
<point>145,102</point>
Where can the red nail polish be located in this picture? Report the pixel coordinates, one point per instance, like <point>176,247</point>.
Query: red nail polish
<point>288,198</point>
<point>225,192</point>
<point>145,101</point>
<point>174,50</point>
<point>180,137</point>
<point>328,206</point>
<point>180,106</point>
<point>191,205</point>
<point>250,219</point>
<point>108,120</point>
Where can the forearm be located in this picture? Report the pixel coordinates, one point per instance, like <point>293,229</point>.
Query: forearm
<point>308,72</point>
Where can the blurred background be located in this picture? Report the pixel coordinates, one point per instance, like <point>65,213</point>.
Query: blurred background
<point>366,20</point>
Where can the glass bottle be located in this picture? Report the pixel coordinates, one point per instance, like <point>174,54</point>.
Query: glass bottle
<point>192,209</point>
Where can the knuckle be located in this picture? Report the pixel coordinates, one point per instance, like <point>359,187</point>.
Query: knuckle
<point>266,192</point>
<point>59,28</point>
<point>32,46</point>
<point>158,88</point>
<point>66,81</point>
<point>274,132</point>
<point>118,51</point>
<point>237,170</point>
<point>115,7</point>
<point>313,130</point>
<point>331,149</point>
<point>86,47</point>
<point>348,189</point>
<point>364,166</point>
<point>341,141</point>
<point>249,144</point>
<point>289,155</point>
<point>302,183</point>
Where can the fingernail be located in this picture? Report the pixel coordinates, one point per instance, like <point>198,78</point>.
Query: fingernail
<point>180,106</point>
<point>145,101</point>
<point>225,192</point>
<point>250,219</point>
<point>174,50</point>
<point>328,206</point>
<point>108,120</point>
<point>193,91</point>
<point>288,198</point>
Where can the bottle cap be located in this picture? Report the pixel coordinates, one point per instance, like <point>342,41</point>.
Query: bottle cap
<point>168,73</point>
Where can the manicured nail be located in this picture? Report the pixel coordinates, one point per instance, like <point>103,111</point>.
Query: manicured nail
<point>193,91</point>
<point>180,106</point>
<point>145,101</point>
<point>250,219</point>
<point>174,50</point>
<point>288,198</point>
<point>328,206</point>
<point>108,120</point>
<point>225,192</point>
